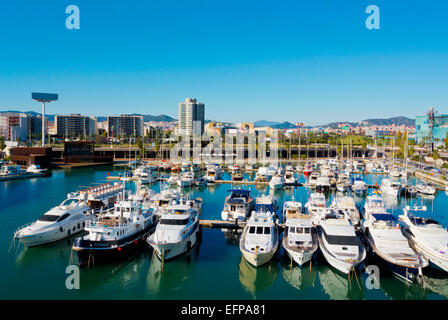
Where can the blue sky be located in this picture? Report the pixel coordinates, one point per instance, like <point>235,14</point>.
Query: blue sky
<point>308,61</point>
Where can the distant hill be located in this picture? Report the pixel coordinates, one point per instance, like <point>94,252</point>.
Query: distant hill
<point>265,123</point>
<point>284,125</point>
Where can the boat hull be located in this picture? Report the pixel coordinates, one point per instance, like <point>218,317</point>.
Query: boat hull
<point>343,266</point>
<point>170,250</point>
<point>95,252</point>
<point>258,259</point>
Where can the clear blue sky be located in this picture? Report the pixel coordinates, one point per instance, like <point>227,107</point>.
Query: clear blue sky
<point>294,60</point>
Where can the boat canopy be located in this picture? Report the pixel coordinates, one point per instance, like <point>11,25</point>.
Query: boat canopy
<point>384,217</point>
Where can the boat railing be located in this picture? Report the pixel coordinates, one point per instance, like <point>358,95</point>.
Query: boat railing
<point>23,226</point>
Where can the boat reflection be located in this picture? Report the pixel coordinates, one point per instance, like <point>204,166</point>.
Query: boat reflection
<point>299,278</point>
<point>257,279</point>
<point>232,236</point>
<point>168,276</point>
<point>54,251</point>
<point>437,283</point>
<point>338,286</point>
<point>126,273</point>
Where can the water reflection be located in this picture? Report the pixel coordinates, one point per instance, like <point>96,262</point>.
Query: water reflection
<point>338,286</point>
<point>55,251</point>
<point>232,236</point>
<point>258,279</point>
<point>299,278</point>
<point>165,277</point>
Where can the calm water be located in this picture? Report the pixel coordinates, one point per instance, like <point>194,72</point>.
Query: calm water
<point>213,270</point>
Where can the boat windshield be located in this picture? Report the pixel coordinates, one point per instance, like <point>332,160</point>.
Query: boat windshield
<point>174,222</point>
<point>259,230</point>
<point>49,218</point>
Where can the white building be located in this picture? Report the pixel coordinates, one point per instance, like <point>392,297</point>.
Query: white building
<point>190,111</point>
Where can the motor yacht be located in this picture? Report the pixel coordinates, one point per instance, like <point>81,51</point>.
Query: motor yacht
<point>426,236</point>
<point>237,205</point>
<point>425,188</point>
<point>290,178</point>
<point>213,173</point>
<point>161,201</point>
<point>116,233</point>
<point>299,237</point>
<point>177,230</point>
<point>387,243</point>
<point>35,168</point>
<point>359,186</point>
<point>315,206</point>
<point>323,184</point>
<point>58,223</point>
<point>374,204</point>
<point>391,188</point>
<point>277,182</point>
<point>260,238</point>
<point>346,206</point>
<point>186,179</point>
<point>338,242</point>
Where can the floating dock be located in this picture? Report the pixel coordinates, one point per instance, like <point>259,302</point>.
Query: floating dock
<point>22,176</point>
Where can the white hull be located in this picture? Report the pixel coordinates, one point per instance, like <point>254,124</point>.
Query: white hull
<point>429,253</point>
<point>168,250</point>
<point>258,259</point>
<point>299,257</point>
<point>233,215</point>
<point>52,234</point>
<point>343,266</point>
<point>185,183</point>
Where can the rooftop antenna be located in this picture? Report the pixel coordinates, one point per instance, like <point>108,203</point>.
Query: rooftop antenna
<point>43,98</point>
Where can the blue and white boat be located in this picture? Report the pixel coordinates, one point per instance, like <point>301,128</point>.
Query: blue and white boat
<point>237,206</point>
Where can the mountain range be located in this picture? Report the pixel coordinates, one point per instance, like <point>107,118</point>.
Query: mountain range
<point>398,121</point>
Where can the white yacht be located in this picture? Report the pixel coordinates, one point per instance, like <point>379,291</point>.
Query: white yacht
<point>291,208</point>
<point>237,205</point>
<point>391,188</point>
<point>323,184</point>
<point>316,205</point>
<point>313,179</point>
<point>277,182</point>
<point>290,178</point>
<point>425,188</point>
<point>394,173</point>
<point>359,186</point>
<point>260,238</point>
<point>116,233</point>
<point>387,243</point>
<point>145,174</point>
<point>299,237</point>
<point>427,237</point>
<point>213,173</point>
<point>374,204</point>
<point>58,223</point>
<point>172,180</point>
<point>178,229</point>
<point>162,200</point>
<point>35,168</point>
<point>186,179</point>
<point>346,206</point>
<point>339,244</point>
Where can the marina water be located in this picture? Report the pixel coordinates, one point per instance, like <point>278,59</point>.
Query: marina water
<point>213,270</point>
